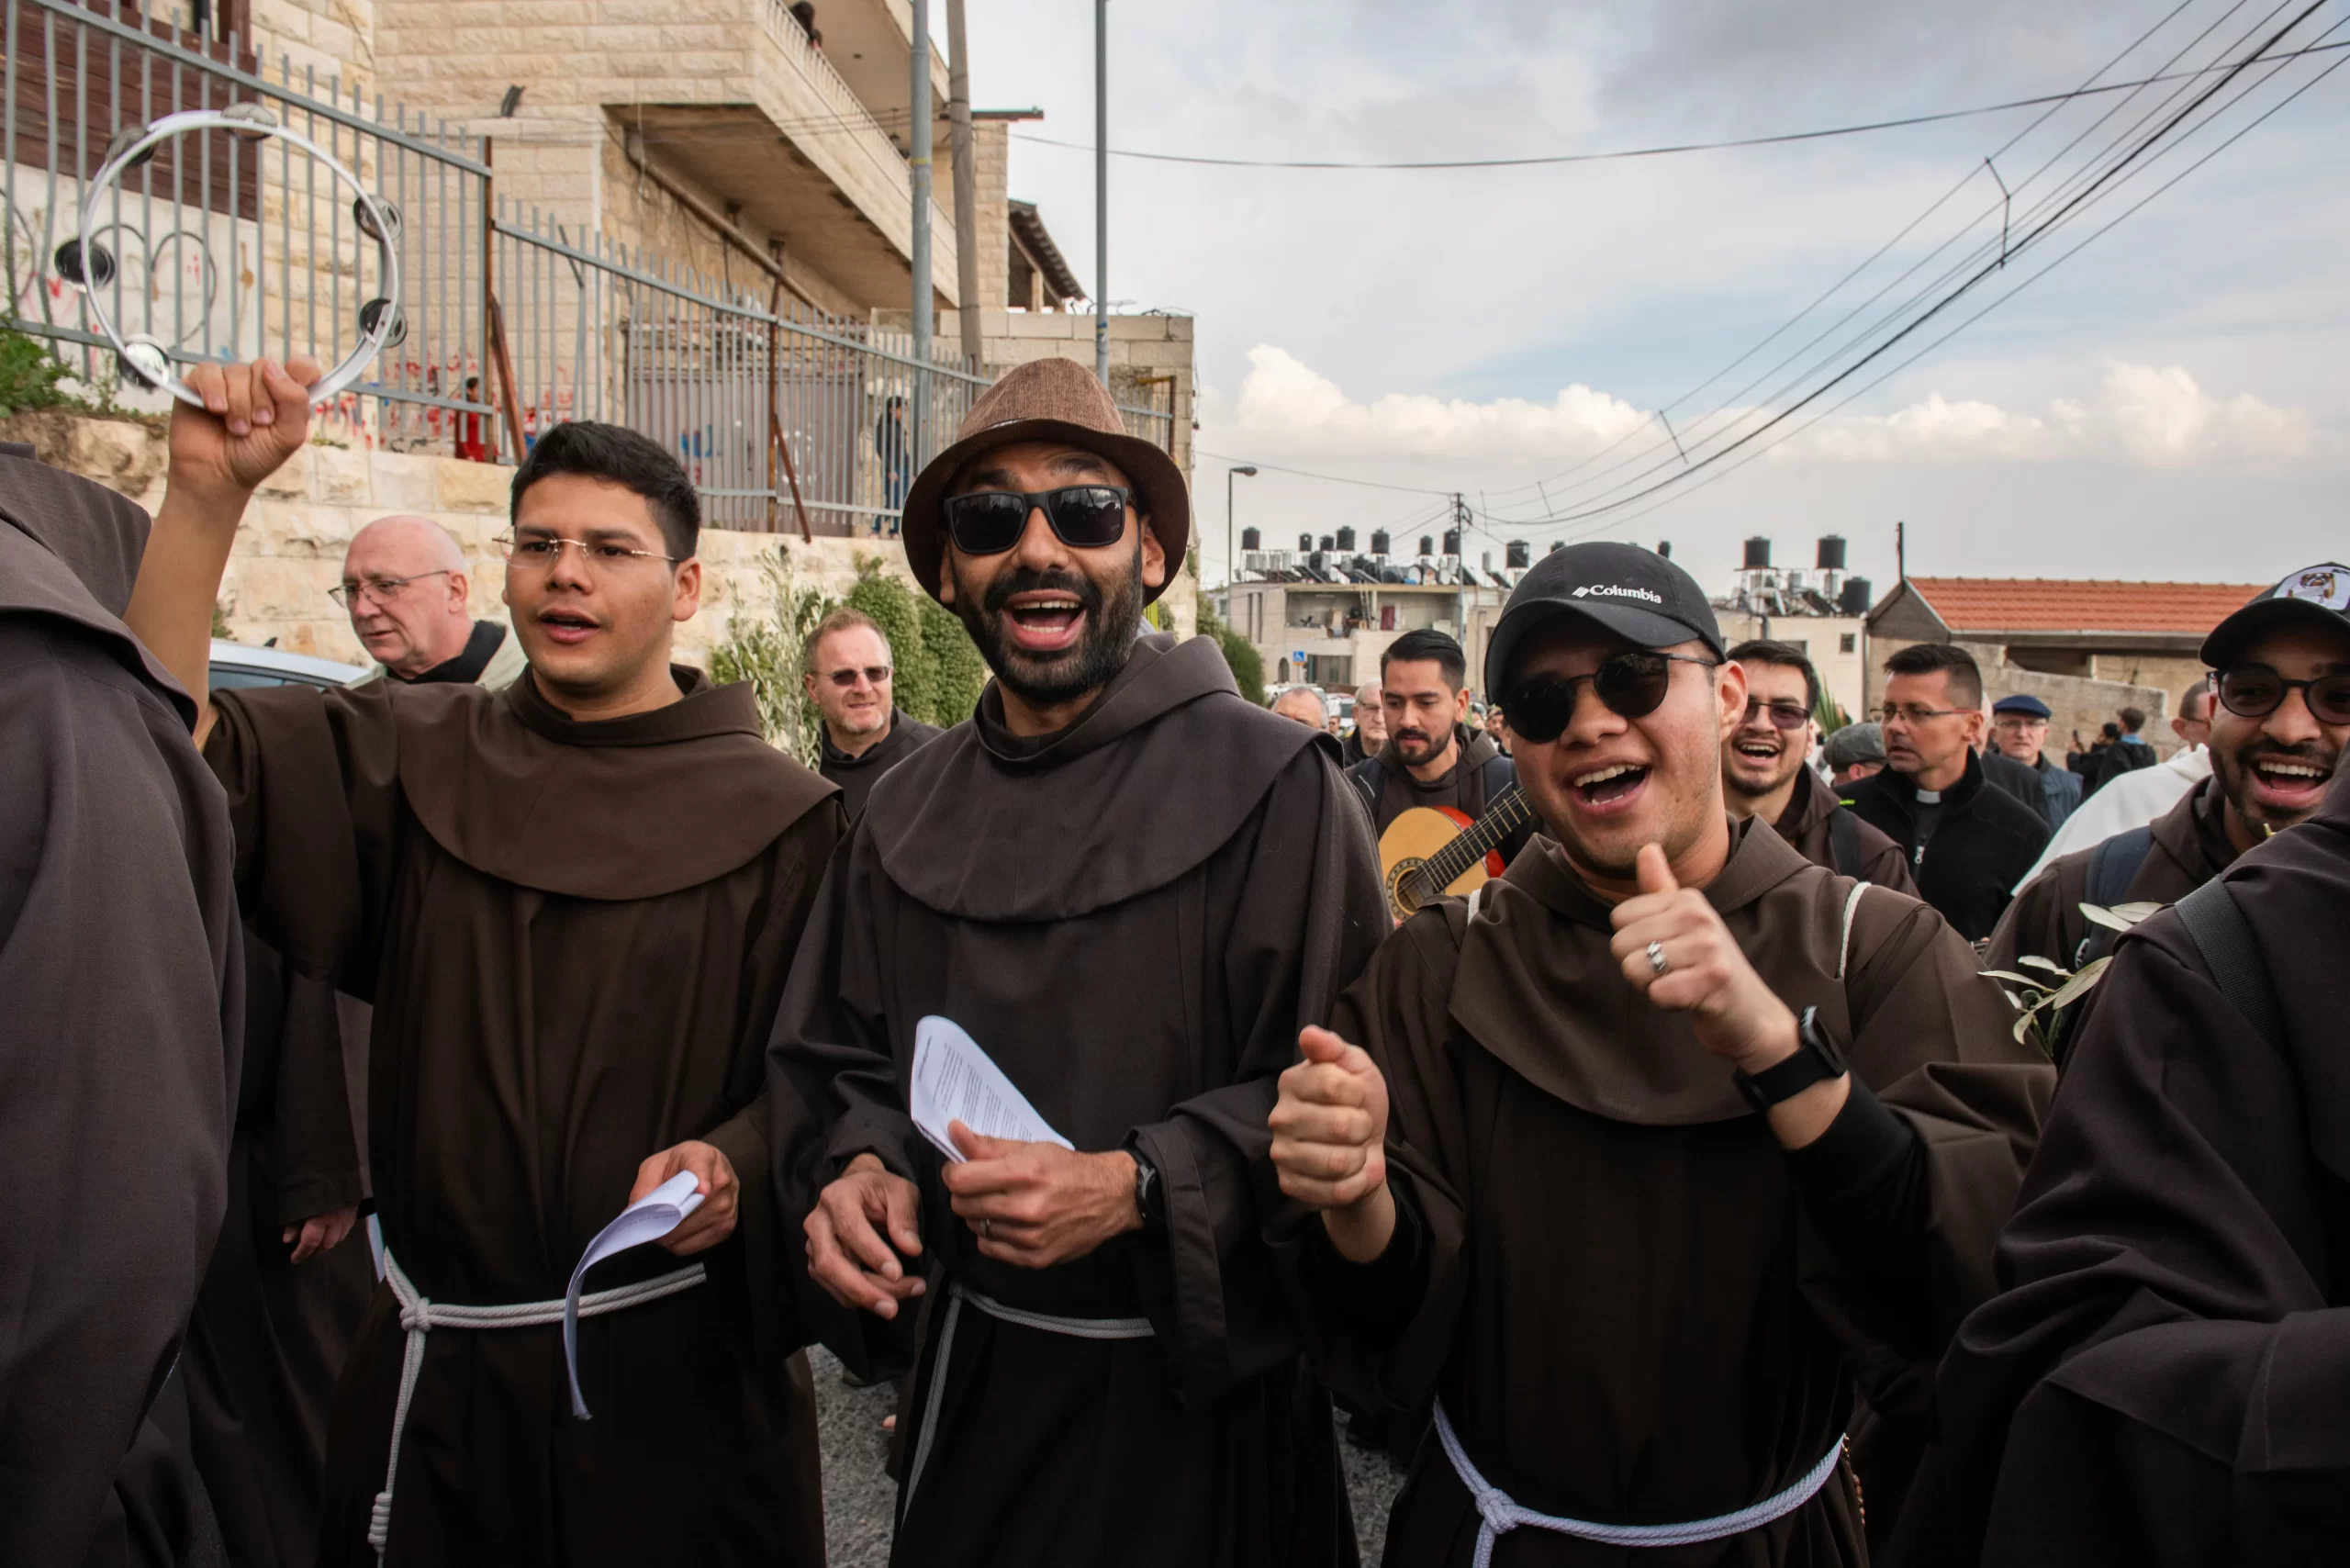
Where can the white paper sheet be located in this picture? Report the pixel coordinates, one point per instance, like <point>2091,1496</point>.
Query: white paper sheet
<point>649,1218</point>
<point>956,1081</point>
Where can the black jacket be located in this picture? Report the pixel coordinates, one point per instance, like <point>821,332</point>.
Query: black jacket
<point>1982,842</point>
<point>2020,779</point>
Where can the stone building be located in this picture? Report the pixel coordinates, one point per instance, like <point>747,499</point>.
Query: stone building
<point>2085,648</point>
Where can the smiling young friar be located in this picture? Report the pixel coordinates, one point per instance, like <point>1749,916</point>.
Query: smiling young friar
<point>1131,886</point>
<point>1655,1165</point>
<point>573,904</point>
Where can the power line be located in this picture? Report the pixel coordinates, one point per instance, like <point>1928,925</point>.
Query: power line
<point>2087,86</point>
<point>1332,479</point>
<point>1777,138</point>
<point>2070,209</point>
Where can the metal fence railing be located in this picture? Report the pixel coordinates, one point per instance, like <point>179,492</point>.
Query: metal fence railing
<point>219,248</point>
<point>786,417</point>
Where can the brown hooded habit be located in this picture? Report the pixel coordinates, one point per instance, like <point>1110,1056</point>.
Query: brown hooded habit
<point>122,981</point>
<point>1634,1305</point>
<point>1133,916</point>
<point>574,935</point>
<point>2166,1379</point>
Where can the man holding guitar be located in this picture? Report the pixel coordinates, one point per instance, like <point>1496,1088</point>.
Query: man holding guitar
<point>1435,780</point>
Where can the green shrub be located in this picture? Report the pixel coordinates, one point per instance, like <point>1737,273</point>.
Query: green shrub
<point>939,670</point>
<point>766,651</point>
<point>1239,655</point>
<point>30,376</point>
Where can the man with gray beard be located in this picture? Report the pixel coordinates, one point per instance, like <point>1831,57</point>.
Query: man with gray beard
<point>1132,887</point>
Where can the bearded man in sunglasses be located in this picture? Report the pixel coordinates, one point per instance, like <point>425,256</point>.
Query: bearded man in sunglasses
<point>1131,886</point>
<point>1643,1167</point>
<point>2280,715</point>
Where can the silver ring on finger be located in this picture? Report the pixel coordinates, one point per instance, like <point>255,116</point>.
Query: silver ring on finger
<point>1658,962</point>
<point>984,1225</point>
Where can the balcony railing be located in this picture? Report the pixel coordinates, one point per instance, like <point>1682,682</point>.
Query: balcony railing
<point>844,125</point>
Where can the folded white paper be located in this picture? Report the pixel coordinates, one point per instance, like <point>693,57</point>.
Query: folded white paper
<point>956,1081</point>
<point>649,1218</point>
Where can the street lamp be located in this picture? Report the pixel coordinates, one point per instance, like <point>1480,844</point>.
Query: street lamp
<point>1231,561</point>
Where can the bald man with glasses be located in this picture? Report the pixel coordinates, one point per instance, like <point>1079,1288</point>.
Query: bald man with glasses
<point>847,671</point>
<point>404,588</point>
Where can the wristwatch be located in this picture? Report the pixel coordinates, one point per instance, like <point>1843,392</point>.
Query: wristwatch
<point>1817,1060</point>
<point>1150,1198</point>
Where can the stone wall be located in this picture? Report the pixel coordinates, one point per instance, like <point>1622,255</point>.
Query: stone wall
<point>289,551</point>
<point>2076,702</point>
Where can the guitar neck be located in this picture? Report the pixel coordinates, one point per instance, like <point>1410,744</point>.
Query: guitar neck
<point>1502,818</point>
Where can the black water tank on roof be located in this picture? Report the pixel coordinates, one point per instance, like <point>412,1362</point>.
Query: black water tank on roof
<point>1379,541</point>
<point>1250,540</point>
<point>1518,553</point>
<point>1758,555</point>
<point>1347,539</point>
<point>1831,553</point>
<point>1453,541</point>
<point>1853,598</point>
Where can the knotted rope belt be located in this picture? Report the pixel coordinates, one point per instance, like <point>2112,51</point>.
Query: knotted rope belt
<point>1500,1515</point>
<point>419,1315</point>
<point>956,1294</point>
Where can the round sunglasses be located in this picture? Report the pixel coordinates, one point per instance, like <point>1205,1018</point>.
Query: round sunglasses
<point>1083,517</point>
<point>2254,691</point>
<point>1631,685</point>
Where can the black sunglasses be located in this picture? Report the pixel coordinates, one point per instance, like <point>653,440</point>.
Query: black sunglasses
<point>1632,684</point>
<point>1084,517</point>
<point>2253,691</point>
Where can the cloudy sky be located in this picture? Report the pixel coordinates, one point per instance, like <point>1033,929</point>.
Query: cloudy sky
<point>2169,403</point>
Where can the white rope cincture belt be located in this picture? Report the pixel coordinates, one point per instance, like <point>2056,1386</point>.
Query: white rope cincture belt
<point>419,1315</point>
<point>956,1294</point>
<point>1500,1515</point>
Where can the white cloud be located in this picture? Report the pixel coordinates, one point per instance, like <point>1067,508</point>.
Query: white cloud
<point>2152,415</point>
<point>1285,401</point>
<point>2139,413</point>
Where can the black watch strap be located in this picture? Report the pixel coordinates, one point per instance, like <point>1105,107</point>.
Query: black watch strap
<point>1151,1193</point>
<point>1817,1060</point>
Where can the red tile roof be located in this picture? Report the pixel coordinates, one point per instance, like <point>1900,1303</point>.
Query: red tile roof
<point>2056,604</point>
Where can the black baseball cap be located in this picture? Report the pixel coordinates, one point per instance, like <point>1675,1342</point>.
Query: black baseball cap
<point>1637,594</point>
<point>2315,595</point>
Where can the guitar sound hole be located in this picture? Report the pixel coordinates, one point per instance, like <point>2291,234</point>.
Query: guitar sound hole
<point>1404,886</point>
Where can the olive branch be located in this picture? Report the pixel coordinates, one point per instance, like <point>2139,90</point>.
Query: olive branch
<point>2040,997</point>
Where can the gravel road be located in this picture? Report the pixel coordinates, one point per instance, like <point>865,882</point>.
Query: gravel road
<point>859,1495</point>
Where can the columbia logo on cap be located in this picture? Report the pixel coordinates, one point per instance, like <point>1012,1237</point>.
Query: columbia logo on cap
<point>1614,590</point>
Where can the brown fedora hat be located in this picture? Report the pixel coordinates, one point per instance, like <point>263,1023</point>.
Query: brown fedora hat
<point>1048,399</point>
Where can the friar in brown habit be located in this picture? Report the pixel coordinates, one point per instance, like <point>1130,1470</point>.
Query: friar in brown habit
<point>121,986</point>
<point>572,905</point>
<point>1131,886</point>
<point>285,1296</point>
<point>2165,1380</point>
<point>1644,1165</point>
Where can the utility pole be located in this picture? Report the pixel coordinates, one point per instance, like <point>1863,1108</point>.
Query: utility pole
<point>967,195</point>
<point>918,140</point>
<point>1101,189</point>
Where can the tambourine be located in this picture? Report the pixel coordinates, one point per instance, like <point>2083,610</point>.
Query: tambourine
<point>381,323</point>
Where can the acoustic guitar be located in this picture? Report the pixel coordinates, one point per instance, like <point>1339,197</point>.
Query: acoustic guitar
<point>1430,851</point>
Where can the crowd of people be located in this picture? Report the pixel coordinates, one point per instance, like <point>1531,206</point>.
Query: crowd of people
<point>1691,1191</point>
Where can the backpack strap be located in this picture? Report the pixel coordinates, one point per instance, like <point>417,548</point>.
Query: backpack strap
<point>1844,842</point>
<point>1368,778</point>
<point>1498,774</point>
<point>2216,923</point>
<point>2113,865</point>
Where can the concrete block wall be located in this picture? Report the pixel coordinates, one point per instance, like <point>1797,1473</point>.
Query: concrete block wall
<point>2076,702</point>
<point>289,551</point>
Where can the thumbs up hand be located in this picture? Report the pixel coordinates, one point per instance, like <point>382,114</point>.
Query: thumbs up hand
<point>1676,951</point>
